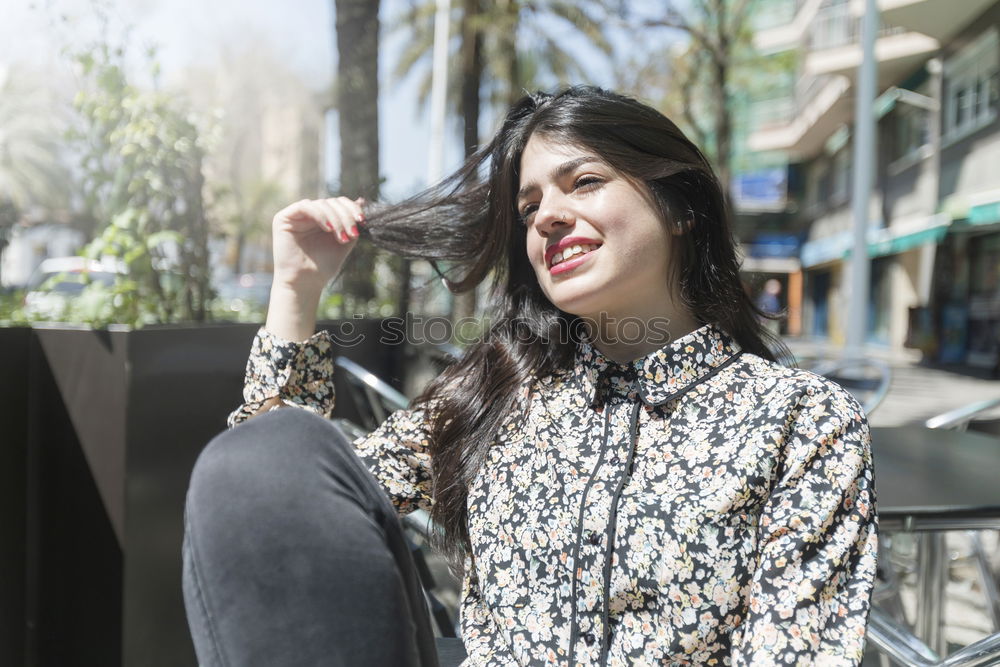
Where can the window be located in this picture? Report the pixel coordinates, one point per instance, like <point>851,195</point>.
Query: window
<point>911,131</point>
<point>972,87</point>
<point>840,189</point>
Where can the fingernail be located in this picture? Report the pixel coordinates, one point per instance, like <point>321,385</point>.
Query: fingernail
<point>343,237</point>
<point>354,231</point>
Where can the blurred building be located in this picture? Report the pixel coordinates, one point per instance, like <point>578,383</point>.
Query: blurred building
<point>934,240</point>
<point>267,147</point>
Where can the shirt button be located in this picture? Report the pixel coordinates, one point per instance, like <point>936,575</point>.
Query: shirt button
<point>615,460</point>
<point>589,639</point>
<point>594,538</point>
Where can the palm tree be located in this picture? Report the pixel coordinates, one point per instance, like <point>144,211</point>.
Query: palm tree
<point>499,30</point>
<point>357,29</point>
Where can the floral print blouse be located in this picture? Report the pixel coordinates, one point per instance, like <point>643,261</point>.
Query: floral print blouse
<point>698,506</point>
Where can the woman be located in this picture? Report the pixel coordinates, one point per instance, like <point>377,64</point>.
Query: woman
<point>625,473</point>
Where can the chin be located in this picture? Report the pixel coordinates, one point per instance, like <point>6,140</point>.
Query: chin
<point>575,303</point>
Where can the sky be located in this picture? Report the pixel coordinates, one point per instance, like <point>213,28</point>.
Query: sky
<point>301,31</point>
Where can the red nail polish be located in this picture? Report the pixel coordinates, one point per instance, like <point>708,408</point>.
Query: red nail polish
<point>343,237</point>
<point>354,231</point>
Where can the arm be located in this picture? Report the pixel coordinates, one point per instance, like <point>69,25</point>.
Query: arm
<point>289,365</point>
<point>816,553</point>
<point>310,241</point>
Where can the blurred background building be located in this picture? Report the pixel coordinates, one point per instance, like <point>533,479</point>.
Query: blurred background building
<point>934,241</point>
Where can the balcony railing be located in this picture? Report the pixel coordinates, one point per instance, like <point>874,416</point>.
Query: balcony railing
<point>769,113</point>
<point>835,26</point>
<point>807,88</point>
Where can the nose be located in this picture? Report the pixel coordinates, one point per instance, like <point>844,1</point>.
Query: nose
<point>551,216</point>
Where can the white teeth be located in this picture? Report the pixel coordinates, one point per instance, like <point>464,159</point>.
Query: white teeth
<point>572,251</point>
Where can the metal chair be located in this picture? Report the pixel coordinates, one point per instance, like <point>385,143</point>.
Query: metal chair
<point>373,398</point>
<point>867,379</point>
<point>961,419</point>
<point>894,640</point>
<point>964,418</point>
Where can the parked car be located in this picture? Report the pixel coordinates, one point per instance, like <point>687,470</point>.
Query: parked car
<point>57,280</point>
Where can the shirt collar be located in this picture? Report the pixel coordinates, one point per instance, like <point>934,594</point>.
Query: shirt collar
<point>660,375</point>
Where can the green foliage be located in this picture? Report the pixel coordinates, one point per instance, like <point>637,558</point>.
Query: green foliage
<point>141,159</point>
<point>11,311</point>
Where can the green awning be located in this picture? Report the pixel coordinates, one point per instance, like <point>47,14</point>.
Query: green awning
<point>984,214</point>
<point>893,244</point>
<point>882,241</point>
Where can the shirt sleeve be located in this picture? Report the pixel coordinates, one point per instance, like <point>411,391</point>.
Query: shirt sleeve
<point>817,542</point>
<point>281,372</point>
<point>398,455</point>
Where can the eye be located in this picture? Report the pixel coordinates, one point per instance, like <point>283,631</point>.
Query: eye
<point>586,182</point>
<point>525,213</point>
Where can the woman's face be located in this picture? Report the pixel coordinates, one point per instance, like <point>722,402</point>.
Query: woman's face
<point>594,238</point>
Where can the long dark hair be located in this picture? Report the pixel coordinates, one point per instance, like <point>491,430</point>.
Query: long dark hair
<point>470,219</point>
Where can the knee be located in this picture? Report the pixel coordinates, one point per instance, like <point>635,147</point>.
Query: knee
<point>272,456</point>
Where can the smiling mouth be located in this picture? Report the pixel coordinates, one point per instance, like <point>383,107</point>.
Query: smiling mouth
<point>572,252</point>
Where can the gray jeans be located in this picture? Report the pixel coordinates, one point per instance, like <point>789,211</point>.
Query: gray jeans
<point>293,554</point>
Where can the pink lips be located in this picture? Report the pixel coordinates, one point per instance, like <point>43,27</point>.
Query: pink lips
<point>561,245</point>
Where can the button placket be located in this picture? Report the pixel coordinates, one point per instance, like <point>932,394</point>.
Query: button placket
<point>592,543</point>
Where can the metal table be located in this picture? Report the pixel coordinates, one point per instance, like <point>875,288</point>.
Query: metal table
<point>932,480</point>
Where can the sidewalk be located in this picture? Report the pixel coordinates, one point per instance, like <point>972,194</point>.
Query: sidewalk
<point>918,390</point>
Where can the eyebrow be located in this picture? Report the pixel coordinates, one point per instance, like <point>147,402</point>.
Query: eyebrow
<point>556,174</point>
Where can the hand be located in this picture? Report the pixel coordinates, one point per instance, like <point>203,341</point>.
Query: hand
<point>312,238</point>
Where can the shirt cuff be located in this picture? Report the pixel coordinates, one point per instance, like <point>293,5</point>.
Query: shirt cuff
<point>295,373</point>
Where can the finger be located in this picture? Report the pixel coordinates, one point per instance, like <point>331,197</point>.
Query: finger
<point>340,220</point>
<point>319,215</point>
<point>349,214</point>
<point>302,210</point>
<point>294,211</point>
<point>331,217</point>
<point>357,213</point>
<point>361,202</point>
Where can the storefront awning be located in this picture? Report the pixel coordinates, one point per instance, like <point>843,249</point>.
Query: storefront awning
<point>903,237</point>
<point>984,208</point>
<point>828,249</point>
<point>898,238</point>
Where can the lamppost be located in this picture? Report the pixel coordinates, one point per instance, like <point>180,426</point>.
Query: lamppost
<point>864,173</point>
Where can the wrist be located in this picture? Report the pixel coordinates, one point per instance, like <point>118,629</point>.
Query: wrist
<point>304,283</point>
<point>291,310</point>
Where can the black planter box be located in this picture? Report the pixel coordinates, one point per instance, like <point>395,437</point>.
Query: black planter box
<point>100,431</point>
